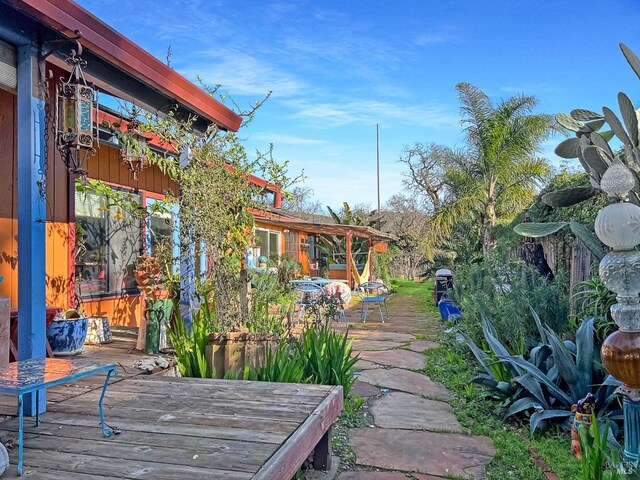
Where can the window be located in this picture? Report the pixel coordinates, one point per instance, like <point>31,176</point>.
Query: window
<point>108,242</point>
<point>268,244</point>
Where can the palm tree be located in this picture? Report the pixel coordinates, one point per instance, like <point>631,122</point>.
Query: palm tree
<point>496,174</point>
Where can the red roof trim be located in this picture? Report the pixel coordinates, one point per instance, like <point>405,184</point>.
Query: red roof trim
<point>67,16</point>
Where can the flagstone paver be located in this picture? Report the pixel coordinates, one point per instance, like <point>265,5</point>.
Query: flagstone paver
<point>365,390</point>
<point>383,336</point>
<point>439,454</point>
<point>361,345</point>
<point>396,358</point>
<point>403,410</point>
<point>422,345</point>
<point>365,365</point>
<point>415,432</point>
<point>406,381</point>
<point>367,475</point>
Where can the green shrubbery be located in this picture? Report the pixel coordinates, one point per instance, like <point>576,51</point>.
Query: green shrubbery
<point>504,293</point>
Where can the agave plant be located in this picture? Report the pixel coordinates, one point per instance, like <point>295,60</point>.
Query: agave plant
<point>557,374</point>
<point>591,147</point>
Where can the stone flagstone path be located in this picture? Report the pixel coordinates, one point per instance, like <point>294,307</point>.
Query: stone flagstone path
<point>415,433</point>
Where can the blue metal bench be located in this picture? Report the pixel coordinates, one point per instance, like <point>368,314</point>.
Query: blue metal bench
<point>27,376</point>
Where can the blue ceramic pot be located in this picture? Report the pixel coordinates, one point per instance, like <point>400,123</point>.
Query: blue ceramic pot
<point>67,337</point>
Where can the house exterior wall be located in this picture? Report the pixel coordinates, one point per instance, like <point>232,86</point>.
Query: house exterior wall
<point>60,213</point>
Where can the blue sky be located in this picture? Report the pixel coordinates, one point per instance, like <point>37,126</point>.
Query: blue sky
<point>336,68</point>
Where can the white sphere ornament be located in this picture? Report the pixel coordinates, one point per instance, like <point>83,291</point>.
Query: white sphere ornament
<point>618,180</point>
<point>618,225</point>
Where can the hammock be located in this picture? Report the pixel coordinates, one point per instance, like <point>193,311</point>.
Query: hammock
<point>363,277</point>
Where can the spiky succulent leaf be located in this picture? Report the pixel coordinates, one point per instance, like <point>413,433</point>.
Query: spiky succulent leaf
<point>568,196</point>
<point>628,112</point>
<point>588,238</point>
<point>540,376</point>
<point>582,114</point>
<point>522,404</point>
<point>632,58</point>
<point>584,356</point>
<point>616,126</point>
<point>569,148</point>
<point>535,230</point>
<point>533,387</point>
<point>568,122</point>
<point>541,415</point>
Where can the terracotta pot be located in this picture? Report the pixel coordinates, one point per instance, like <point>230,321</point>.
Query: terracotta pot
<point>621,357</point>
<point>235,350</point>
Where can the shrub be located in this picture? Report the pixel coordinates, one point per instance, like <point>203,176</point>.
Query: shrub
<point>327,358</point>
<point>504,292</point>
<point>190,345</point>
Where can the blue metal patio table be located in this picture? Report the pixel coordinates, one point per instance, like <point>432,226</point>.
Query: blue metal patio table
<point>27,376</point>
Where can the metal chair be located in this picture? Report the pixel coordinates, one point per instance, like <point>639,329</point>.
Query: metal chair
<point>373,293</point>
<point>307,299</point>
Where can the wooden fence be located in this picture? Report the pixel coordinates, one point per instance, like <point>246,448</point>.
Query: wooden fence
<point>572,257</point>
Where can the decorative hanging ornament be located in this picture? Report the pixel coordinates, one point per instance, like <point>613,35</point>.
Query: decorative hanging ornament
<point>75,116</point>
<point>134,149</point>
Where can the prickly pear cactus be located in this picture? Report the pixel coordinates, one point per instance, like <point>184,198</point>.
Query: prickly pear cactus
<point>591,144</point>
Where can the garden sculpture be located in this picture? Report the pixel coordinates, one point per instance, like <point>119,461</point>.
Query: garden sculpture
<point>583,411</point>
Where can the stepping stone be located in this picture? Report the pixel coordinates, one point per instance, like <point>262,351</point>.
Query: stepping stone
<point>406,381</point>
<point>405,411</point>
<point>360,345</point>
<point>439,454</point>
<point>365,390</point>
<point>384,336</point>
<point>365,365</point>
<point>422,345</point>
<point>396,358</point>
<point>367,475</point>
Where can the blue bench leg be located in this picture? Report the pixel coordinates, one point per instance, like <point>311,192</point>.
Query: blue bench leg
<point>37,408</point>
<point>106,430</point>
<point>20,433</point>
<point>380,310</point>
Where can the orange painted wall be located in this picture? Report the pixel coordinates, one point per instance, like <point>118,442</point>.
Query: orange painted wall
<point>60,228</point>
<point>8,212</point>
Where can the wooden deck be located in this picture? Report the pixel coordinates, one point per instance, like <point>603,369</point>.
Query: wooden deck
<point>172,427</point>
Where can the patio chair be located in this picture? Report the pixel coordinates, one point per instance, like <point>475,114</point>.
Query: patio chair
<point>307,299</point>
<point>373,293</point>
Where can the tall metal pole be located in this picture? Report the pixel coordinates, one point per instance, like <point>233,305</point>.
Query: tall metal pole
<point>378,164</point>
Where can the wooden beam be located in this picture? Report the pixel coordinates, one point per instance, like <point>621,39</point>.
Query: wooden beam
<point>349,259</point>
<point>31,217</point>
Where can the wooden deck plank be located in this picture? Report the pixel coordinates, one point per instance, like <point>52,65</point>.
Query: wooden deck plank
<point>287,459</point>
<point>187,405</point>
<point>235,429</point>
<point>270,433</point>
<point>211,403</point>
<point>249,461</point>
<point>107,468</point>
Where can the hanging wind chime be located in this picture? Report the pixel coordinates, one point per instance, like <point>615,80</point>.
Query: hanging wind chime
<point>75,117</point>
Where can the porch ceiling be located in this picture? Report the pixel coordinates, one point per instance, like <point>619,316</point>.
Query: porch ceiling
<point>115,63</point>
<point>360,231</point>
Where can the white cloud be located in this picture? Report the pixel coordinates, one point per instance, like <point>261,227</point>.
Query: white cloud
<point>242,74</point>
<point>371,112</point>
<point>279,139</point>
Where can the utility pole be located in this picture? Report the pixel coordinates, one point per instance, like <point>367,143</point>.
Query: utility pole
<point>378,165</point>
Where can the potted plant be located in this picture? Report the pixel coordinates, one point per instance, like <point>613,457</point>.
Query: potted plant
<point>67,333</point>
